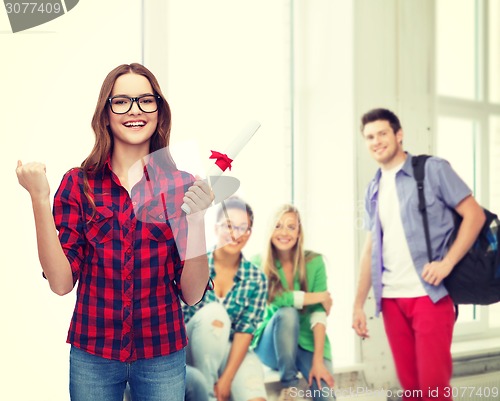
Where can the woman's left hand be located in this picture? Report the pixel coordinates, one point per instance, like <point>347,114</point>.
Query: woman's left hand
<point>222,389</point>
<point>319,372</point>
<point>199,196</point>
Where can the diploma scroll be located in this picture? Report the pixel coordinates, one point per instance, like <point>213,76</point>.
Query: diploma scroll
<point>223,160</point>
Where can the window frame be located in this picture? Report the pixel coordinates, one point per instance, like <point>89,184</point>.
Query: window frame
<point>480,111</point>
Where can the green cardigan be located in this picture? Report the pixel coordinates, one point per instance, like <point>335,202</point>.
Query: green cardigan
<point>316,282</point>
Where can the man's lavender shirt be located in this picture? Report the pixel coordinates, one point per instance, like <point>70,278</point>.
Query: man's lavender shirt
<point>444,190</point>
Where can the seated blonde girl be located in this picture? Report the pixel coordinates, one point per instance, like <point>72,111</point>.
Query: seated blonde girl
<point>292,337</point>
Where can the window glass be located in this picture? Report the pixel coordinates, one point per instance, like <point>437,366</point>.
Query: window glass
<point>457,49</point>
<point>494,51</point>
<point>494,201</point>
<point>456,142</point>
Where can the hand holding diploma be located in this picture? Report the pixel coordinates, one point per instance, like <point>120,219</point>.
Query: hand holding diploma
<point>178,202</point>
<point>199,196</point>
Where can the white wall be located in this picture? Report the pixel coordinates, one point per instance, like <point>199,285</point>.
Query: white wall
<point>50,79</point>
<point>324,153</point>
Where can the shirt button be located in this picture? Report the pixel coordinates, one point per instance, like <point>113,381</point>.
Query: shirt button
<point>129,251</point>
<point>160,216</point>
<point>129,277</point>
<point>134,203</point>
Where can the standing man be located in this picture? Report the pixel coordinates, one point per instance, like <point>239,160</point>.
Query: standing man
<point>417,311</point>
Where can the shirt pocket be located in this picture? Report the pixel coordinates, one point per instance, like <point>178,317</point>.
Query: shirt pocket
<point>157,225</point>
<point>100,225</point>
<point>241,305</point>
<point>431,206</point>
<point>430,198</point>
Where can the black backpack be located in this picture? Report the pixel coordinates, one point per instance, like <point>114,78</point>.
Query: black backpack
<point>475,279</point>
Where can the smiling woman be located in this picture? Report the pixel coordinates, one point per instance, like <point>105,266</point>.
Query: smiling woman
<point>292,336</point>
<point>129,122</point>
<point>221,326</point>
<point>118,259</point>
<point>58,94</point>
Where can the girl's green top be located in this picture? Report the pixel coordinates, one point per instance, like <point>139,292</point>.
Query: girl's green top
<point>316,282</point>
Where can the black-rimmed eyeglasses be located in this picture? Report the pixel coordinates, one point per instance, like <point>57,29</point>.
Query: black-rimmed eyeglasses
<point>122,104</point>
<point>228,227</point>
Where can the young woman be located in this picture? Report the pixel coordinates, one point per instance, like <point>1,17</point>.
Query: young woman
<point>123,238</point>
<point>292,337</point>
<point>221,326</point>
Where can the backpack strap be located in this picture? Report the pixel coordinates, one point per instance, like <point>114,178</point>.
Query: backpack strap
<point>418,164</point>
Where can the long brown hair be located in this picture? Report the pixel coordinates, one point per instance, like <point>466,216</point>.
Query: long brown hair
<point>100,124</point>
<point>270,257</point>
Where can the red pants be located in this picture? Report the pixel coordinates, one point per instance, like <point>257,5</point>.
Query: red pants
<point>420,334</point>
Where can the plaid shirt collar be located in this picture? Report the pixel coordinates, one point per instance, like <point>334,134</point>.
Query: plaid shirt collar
<point>241,274</point>
<point>151,167</point>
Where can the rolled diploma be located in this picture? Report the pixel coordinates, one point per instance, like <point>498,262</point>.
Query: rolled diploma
<point>231,151</point>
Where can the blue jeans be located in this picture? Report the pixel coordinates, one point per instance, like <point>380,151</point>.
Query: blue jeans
<point>93,378</point>
<point>278,348</point>
<point>208,350</point>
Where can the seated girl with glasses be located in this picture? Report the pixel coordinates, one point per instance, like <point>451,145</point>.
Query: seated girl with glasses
<point>221,327</point>
<point>292,337</point>
<point>116,239</point>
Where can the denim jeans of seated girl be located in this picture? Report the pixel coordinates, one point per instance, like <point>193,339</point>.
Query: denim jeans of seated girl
<point>278,349</point>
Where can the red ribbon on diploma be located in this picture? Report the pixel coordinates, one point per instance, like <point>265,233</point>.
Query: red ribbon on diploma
<point>223,161</point>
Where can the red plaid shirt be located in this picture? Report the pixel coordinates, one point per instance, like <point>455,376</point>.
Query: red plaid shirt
<point>127,258</point>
